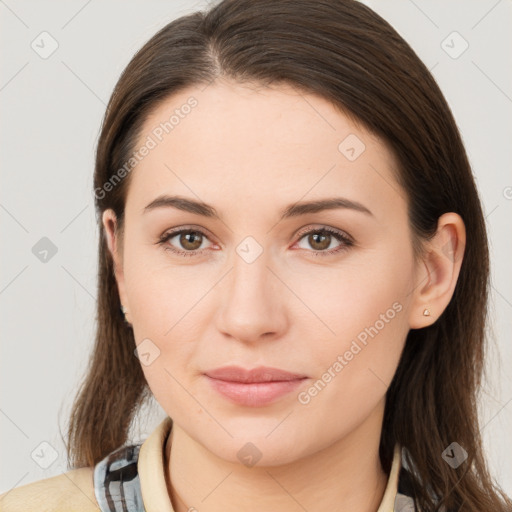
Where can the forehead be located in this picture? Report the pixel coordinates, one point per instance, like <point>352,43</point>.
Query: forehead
<point>227,141</point>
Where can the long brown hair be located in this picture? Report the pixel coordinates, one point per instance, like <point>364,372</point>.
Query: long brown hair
<point>346,53</point>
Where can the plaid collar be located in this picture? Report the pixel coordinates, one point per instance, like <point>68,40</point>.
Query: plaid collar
<point>404,501</point>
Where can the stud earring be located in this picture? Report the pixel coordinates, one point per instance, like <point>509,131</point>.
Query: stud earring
<point>124,311</point>
<point>426,312</point>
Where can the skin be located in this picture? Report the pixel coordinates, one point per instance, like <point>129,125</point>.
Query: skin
<point>249,152</point>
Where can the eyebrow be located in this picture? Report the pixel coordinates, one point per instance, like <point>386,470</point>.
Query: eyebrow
<point>293,210</point>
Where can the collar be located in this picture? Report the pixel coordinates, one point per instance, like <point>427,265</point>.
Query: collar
<point>155,495</point>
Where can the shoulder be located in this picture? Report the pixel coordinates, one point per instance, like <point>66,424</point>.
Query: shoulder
<point>72,491</point>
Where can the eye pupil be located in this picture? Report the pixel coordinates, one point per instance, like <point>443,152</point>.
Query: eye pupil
<point>313,239</point>
<point>185,242</point>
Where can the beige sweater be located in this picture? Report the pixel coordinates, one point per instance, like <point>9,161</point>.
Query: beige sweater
<point>74,491</point>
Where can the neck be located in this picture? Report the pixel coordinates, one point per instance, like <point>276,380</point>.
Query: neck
<point>346,476</point>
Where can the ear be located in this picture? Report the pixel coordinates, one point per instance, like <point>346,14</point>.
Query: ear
<point>437,273</point>
<point>110,226</point>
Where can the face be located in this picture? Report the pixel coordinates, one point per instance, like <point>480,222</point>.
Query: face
<point>324,293</point>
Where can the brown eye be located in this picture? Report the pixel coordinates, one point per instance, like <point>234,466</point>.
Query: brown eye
<point>320,241</point>
<point>188,242</point>
<point>191,240</point>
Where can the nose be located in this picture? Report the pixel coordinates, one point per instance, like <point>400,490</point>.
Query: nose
<point>252,301</point>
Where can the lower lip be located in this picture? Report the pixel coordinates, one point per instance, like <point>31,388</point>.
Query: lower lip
<point>255,394</point>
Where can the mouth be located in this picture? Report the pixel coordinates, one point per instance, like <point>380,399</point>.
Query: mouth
<point>253,388</point>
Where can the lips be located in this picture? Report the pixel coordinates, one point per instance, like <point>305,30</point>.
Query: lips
<point>255,375</point>
<point>253,388</point>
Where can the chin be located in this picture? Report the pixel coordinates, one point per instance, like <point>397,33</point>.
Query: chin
<point>253,446</point>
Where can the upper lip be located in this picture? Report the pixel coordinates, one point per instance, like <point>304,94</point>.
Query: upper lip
<point>259,374</point>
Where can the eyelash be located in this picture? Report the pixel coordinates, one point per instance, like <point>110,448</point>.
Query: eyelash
<point>347,242</point>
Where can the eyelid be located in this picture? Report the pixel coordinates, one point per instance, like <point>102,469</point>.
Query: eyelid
<point>323,227</point>
<point>188,227</point>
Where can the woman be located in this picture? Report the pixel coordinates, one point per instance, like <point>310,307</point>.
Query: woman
<point>290,226</point>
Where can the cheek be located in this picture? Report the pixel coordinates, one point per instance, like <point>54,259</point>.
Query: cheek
<point>367,288</point>
<point>167,353</point>
<point>164,296</point>
<point>166,311</point>
<point>353,370</point>
<point>367,311</point>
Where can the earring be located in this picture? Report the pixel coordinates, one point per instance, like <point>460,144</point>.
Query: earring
<point>426,312</point>
<point>124,311</point>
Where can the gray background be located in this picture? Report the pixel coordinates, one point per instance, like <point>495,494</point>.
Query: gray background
<point>51,114</point>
